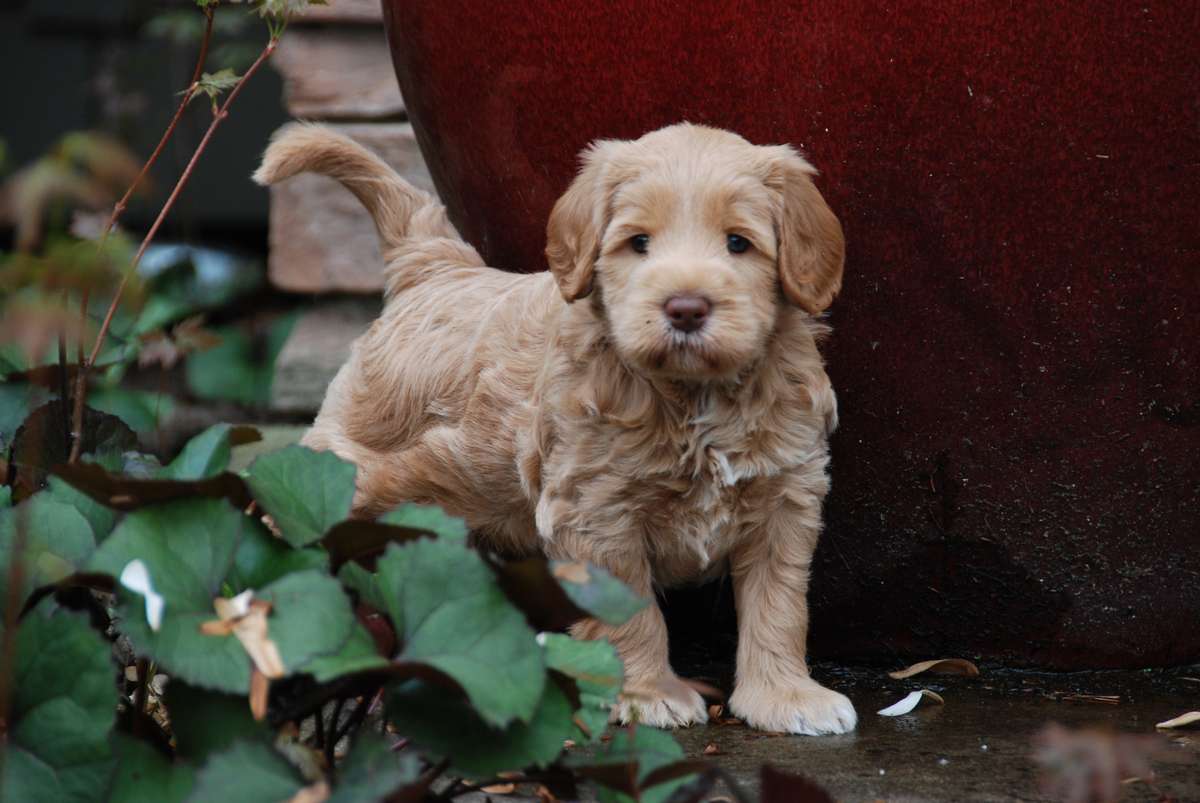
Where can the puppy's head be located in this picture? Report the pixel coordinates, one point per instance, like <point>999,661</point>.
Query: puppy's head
<point>693,238</point>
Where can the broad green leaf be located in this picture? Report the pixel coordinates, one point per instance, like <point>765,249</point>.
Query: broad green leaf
<point>247,772</point>
<point>358,654</point>
<point>305,492</point>
<point>142,411</point>
<point>100,518</point>
<point>207,454</point>
<point>646,748</point>
<point>144,775</point>
<point>5,496</point>
<point>188,548</point>
<point>453,616</point>
<point>597,671</point>
<point>451,728</point>
<point>261,559</point>
<point>426,517</point>
<point>63,706</point>
<point>237,369</point>
<point>372,771</point>
<point>600,594</point>
<point>207,722</point>
<point>310,616</point>
<point>57,541</point>
<point>358,579</point>
<point>17,399</point>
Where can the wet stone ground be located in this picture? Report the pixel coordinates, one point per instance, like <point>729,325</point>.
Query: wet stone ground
<point>978,746</point>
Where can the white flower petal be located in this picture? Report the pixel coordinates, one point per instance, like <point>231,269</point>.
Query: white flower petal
<point>909,703</point>
<point>136,577</point>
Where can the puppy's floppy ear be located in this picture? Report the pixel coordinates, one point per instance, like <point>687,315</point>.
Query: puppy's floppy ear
<point>577,223</point>
<point>812,249</point>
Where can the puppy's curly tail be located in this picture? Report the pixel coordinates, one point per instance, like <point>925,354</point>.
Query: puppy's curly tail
<point>400,210</point>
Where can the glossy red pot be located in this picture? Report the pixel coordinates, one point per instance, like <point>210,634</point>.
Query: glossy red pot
<point>1017,349</point>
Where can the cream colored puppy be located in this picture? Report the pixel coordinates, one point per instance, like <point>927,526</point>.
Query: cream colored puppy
<point>655,404</point>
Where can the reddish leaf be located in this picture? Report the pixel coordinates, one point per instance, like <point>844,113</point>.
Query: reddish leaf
<point>126,493</point>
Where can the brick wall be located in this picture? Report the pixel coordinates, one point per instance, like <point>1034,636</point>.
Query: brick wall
<point>336,69</point>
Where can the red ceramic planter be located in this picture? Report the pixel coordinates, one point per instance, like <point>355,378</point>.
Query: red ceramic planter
<point>1017,349</point>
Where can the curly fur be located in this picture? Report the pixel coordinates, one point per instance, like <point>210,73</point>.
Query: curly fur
<point>561,412</point>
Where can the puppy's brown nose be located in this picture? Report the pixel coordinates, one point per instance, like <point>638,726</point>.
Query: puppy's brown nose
<point>687,313</point>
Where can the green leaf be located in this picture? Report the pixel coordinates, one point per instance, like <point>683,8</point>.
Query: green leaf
<point>237,369</point>
<point>188,548</point>
<point>430,518</point>
<point>213,84</point>
<point>16,401</point>
<point>207,454</point>
<point>357,654</point>
<point>452,729</point>
<point>600,594</point>
<point>453,616</point>
<point>63,706</point>
<point>358,579</point>
<point>372,771</point>
<point>57,541</point>
<point>248,772</point>
<point>310,616</point>
<point>206,722</point>
<point>597,671</point>
<point>643,747</point>
<point>144,775</point>
<point>5,496</point>
<point>100,518</point>
<point>305,492</point>
<point>261,559</point>
<point>142,411</point>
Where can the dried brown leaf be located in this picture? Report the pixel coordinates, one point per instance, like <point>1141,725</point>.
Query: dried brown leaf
<point>260,686</point>
<point>941,666</point>
<point>246,618</point>
<point>712,749</point>
<point>499,788</point>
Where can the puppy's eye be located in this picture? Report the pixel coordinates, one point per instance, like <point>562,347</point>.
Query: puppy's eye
<point>640,243</point>
<point>737,244</point>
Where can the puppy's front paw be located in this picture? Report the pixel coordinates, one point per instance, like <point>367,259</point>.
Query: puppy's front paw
<point>807,708</point>
<point>665,703</point>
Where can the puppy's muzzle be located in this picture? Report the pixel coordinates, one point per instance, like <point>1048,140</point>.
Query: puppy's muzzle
<point>687,313</point>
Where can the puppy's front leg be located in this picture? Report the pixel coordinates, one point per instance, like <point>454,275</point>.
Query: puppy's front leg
<point>774,691</point>
<point>653,694</point>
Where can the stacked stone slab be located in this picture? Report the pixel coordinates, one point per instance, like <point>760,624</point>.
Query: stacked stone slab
<point>336,70</point>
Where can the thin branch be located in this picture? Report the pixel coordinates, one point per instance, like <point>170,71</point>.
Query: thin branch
<point>222,113</point>
<point>220,116</point>
<point>119,207</point>
<point>76,430</point>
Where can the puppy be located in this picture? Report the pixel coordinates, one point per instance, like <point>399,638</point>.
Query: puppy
<point>654,405</point>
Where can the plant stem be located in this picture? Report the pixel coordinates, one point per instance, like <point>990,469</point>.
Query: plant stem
<point>118,210</point>
<point>12,610</point>
<point>222,113</point>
